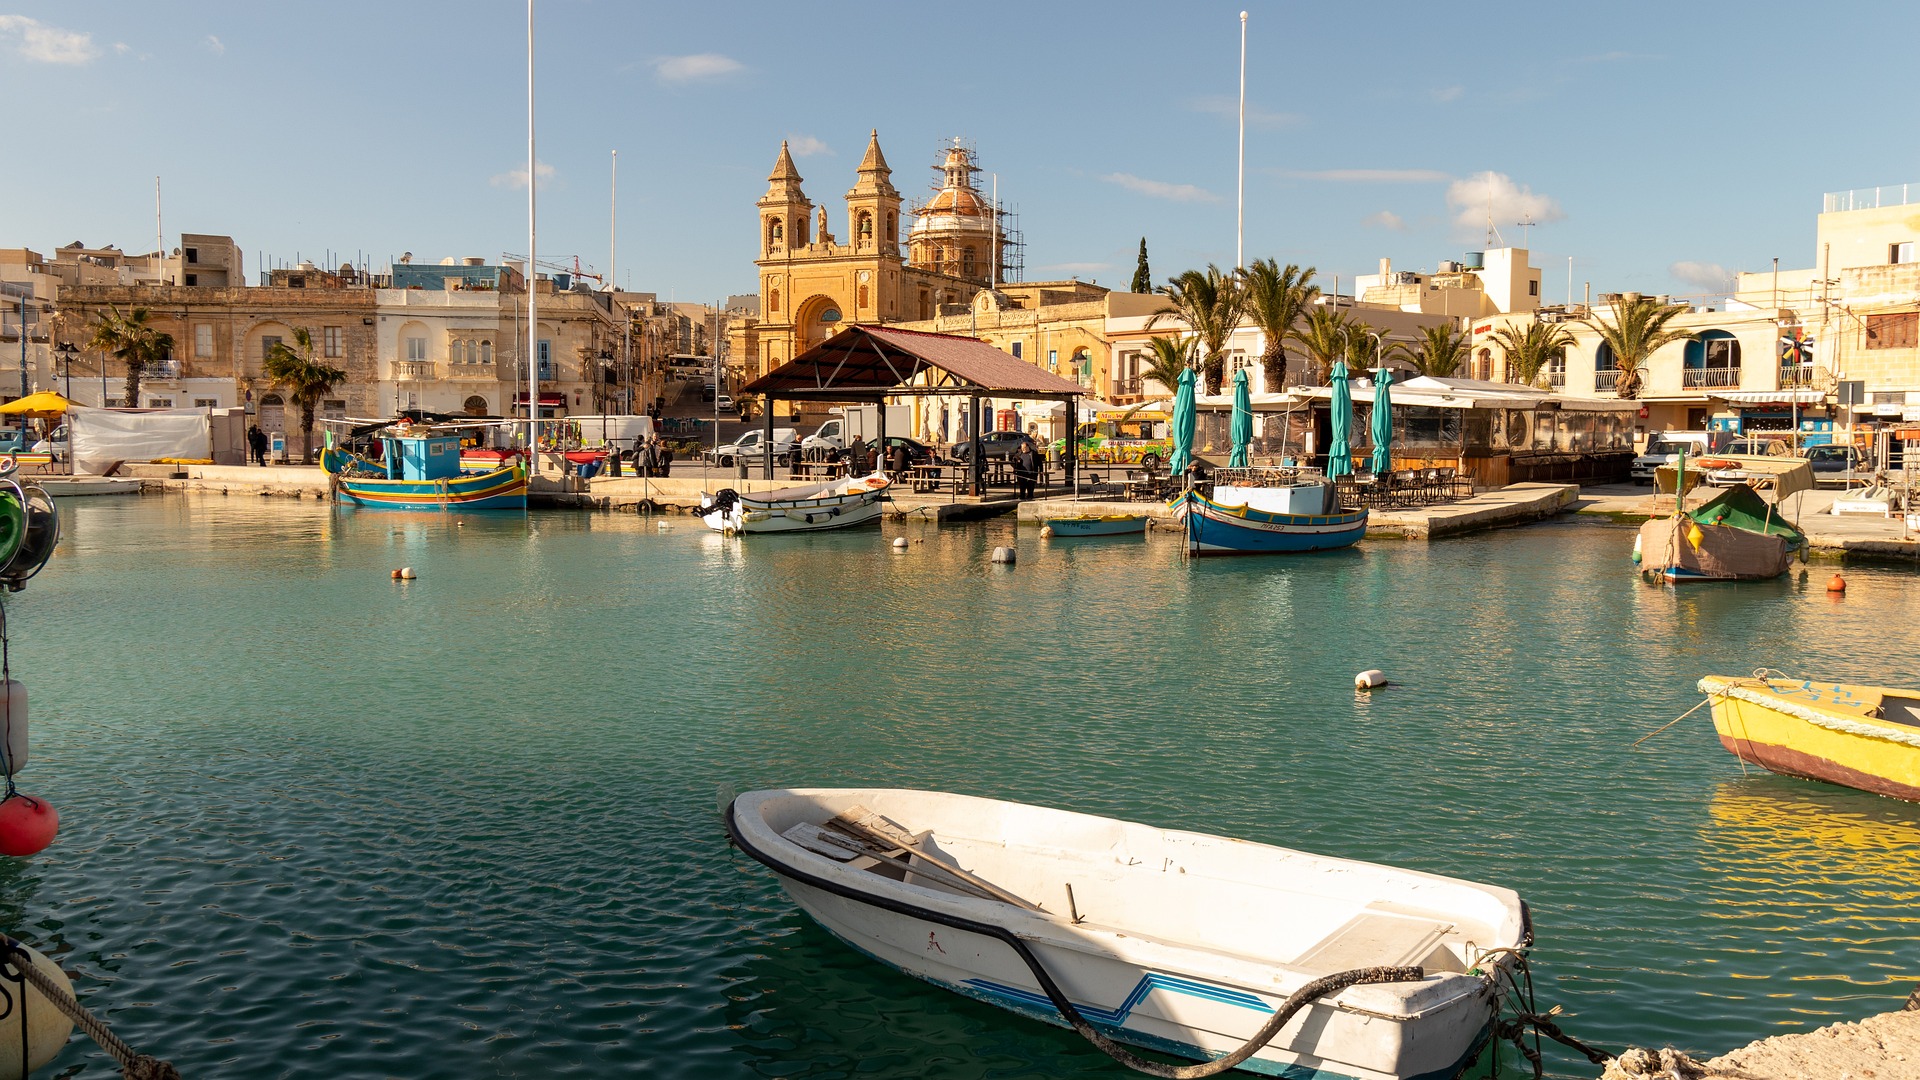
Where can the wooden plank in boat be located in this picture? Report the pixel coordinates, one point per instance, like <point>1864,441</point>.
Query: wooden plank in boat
<point>864,823</point>
<point>1375,939</point>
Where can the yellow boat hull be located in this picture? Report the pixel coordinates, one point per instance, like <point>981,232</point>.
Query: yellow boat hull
<point>1864,737</point>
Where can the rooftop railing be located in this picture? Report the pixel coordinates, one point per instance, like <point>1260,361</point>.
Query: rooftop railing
<point>1715,377</point>
<point>1871,198</point>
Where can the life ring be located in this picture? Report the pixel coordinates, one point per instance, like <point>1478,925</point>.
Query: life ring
<point>1713,463</point>
<point>8,465</point>
<point>876,484</point>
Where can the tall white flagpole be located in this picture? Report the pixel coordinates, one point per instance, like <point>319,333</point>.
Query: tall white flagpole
<point>533,254</point>
<point>1240,223</point>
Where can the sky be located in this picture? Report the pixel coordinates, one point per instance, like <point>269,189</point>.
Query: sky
<point>1661,147</point>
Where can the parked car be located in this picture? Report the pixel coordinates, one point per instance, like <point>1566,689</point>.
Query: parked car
<point>1664,448</point>
<point>1834,464</point>
<point>706,393</point>
<point>918,453</point>
<point>15,440</point>
<point>724,403</point>
<point>996,445</point>
<point>750,448</point>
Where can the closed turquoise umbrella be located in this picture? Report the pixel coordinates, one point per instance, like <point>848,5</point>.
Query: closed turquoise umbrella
<point>1339,456</point>
<point>1382,422</point>
<point>1242,427</point>
<point>1183,423</point>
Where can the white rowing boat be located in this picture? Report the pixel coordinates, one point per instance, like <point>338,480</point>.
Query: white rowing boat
<point>1176,941</point>
<point>836,504</point>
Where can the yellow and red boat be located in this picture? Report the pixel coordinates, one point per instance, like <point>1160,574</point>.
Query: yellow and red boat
<point>1865,737</point>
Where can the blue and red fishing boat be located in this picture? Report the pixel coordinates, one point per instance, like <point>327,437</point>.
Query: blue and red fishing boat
<point>419,469</point>
<point>1260,516</point>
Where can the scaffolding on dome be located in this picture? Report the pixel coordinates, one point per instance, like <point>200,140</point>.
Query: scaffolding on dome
<point>1012,245</point>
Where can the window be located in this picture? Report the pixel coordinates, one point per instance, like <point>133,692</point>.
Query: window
<point>203,341</point>
<point>266,346</point>
<point>1897,331</point>
<point>776,232</point>
<point>1053,359</point>
<point>206,403</point>
<point>193,279</point>
<point>160,403</point>
<point>862,302</point>
<point>193,255</point>
<point>330,341</point>
<point>966,263</point>
<point>476,406</point>
<point>1900,253</point>
<point>416,348</point>
<point>333,409</point>
<point>1016,350</point>
<point>1533,288</point>
<point>773,300</point>
<point>486,351</point>
<point>865,230</point>
<point>1483,366</point>
<point>545,355</point>
<point>115,403</point>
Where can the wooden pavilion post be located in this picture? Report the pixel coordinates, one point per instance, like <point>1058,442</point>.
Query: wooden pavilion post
<point>766,444</point>
<point>976,464</point>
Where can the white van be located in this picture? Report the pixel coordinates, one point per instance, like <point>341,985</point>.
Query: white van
<point>617,431</point>
<point>1664,447</point>
<point>750,448</point>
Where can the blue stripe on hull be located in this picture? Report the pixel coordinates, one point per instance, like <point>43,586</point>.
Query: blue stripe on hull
<point>1212,530</point>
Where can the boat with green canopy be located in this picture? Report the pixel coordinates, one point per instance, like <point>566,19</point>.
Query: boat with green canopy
<point>1737,535</point>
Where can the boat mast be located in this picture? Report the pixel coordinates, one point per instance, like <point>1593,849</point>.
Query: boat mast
<point>533,254</point>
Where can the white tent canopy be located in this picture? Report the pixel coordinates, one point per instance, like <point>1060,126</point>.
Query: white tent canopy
<point>102,437</point>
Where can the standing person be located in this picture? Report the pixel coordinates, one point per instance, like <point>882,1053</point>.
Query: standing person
<point>666,457</point>
<point>640,456</point>
<point>1026,468</point>
<point>257,442</point>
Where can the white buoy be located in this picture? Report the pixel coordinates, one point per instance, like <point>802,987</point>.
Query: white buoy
<point>1003,555</point>
<point>407,574</point>
<point>47,1028</point>
<point>899,543</point>
<point>13,714</point>
<point>1046,530</point>
<point>662,526</point>
<point>1370,679</point>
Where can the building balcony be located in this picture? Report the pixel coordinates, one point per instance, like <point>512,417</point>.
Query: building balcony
<point>1606,381</point>
<point>1557,379</point>
<point>1794,376</point>
<point>1711,378</point>
<point>475,372</point>
<point>412,370</point>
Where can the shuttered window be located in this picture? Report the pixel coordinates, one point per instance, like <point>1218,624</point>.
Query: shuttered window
<point>1898,331</point>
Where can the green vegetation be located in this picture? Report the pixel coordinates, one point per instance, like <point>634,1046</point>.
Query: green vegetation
<point>1277,298</point>
<point>136,343</point>
<point>307,380</point>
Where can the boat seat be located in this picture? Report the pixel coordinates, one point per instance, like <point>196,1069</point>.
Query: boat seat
<point>1375,939</point>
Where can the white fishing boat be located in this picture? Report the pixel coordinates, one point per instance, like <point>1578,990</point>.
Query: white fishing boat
<point>1200,946</point>
<point>836,504</point>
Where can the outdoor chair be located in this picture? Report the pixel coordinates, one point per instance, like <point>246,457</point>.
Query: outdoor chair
<point>1405,489</point>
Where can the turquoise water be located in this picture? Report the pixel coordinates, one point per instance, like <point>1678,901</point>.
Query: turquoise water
<point>316,822</point>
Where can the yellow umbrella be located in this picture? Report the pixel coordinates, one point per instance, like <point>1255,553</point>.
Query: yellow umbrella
<point>44,405</point>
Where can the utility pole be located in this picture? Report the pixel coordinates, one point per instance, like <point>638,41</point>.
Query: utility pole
<point>1240,216</point>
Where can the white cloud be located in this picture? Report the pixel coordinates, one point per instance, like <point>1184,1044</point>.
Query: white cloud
<point>1160,189</point>
<point>121,48</point>
<point>1447,93</point>
<point>1257,117</point>
<point>1511,202</point>
<point>808,146</point>
<point>694,68</point>
<point>517,178</point>
<point>216,46</point>
<point>1374,176</point>
<point>1387,219</point>
<point>1707,277</point>
<point>48,44</point>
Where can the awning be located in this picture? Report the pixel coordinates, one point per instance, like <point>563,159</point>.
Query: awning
<point>1805,395</point>
<point>546,400</point>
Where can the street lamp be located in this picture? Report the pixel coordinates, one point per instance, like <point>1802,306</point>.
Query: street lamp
<point>66,349</point>
<point>1379,352</point>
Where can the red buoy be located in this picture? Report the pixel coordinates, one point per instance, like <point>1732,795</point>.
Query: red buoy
<point>27,824</point>
<point>1838,584</point>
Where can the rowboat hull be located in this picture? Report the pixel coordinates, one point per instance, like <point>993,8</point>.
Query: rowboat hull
<point>495,489</point>
<point>1196,1000</point>
<point>1098,525</point>
<point>1863,737</point>
<point>1213,529</point>
<point>1722,553</point>
<point>836,504</point>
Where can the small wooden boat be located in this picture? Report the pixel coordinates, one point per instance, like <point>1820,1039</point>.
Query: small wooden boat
<point>1260,515</point>
<point>1865,737</point>
<point>1734,536</point>
<point>835,504</point>
<point>420,470</point>
<point>1097,524</point>
<point>69,486</point>
<point>1176,941</point>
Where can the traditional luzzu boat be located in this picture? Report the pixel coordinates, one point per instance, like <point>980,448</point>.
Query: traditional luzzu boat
<point>420,470</point>
<point>1097,524</point>
<point>1266,511</point>
<point>836,504</point>
<point>1865,737</point>
<point>1244,955</point>
<point>1736,535</point>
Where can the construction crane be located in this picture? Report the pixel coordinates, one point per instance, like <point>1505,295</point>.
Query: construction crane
<point>563,268</point>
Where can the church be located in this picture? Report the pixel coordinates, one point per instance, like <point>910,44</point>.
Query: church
<point>811,282</point>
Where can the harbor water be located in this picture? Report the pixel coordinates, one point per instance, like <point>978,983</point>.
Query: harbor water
<point>317,822</point>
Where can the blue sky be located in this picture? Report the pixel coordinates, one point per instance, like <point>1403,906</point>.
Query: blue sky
<point>1659,145</point>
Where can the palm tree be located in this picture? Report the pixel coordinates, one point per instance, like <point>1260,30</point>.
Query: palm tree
<point>1638,330</point>
<point>1277,298</point>
<point>1324,339</point>
<point>136,343</point>
<point>1530,350</point>
<point>1167,359</point>
<point>306,379</point>
<point>1211,304</point>
<point>1440,351</point>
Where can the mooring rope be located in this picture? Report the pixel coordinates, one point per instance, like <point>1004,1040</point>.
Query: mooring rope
<point>133,1065</point>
